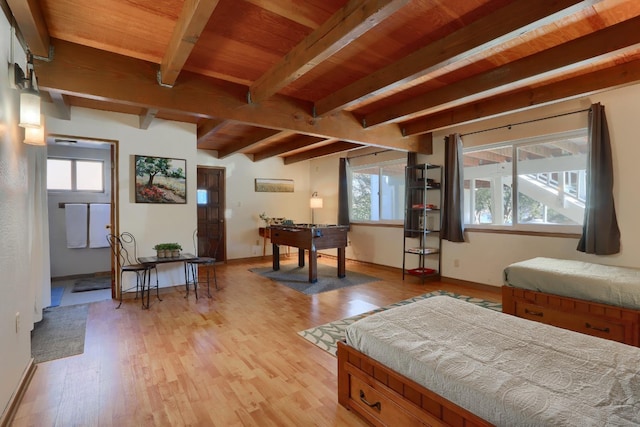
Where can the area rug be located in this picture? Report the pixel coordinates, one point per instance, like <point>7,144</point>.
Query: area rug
<point>298,278</point>
<point>92,284</point>
<point>60,333</point>
<point>56,296</point>
<point>326,336</point>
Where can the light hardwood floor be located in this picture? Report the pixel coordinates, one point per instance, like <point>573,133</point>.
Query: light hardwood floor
<point>233,360</point>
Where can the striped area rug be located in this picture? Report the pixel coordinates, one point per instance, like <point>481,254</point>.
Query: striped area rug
<point>326,336</point>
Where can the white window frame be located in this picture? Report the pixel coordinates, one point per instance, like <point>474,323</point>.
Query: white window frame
<point>402,190</point>
<point>74,181</point>
<point>515,225</point>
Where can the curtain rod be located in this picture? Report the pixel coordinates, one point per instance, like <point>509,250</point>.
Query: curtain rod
<point>369,154</point>
<point>525,122</point>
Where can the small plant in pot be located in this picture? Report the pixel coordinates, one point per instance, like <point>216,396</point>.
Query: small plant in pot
<point>167,250</point>
<point>173,249</point>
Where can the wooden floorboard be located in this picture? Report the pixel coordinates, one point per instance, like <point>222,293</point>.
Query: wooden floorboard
<point>233,360</point>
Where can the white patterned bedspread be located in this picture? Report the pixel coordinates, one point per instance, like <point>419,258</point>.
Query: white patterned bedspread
<point>508,371</point>
<point>606,284</point>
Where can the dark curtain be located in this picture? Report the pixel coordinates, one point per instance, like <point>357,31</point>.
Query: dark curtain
<point>600,232</point>
<point>343,193</point>
<point>452,228</point>
<point>410,178</point>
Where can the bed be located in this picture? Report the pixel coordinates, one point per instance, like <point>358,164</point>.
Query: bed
<point>442,361</point>
<point>594,299</point>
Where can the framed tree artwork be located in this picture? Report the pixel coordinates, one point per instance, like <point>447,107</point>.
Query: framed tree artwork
<point>160,180</point>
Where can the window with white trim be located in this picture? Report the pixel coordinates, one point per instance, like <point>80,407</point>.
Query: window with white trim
<point>377,191</point>
<point>75,175</point>
<point>549,191</point>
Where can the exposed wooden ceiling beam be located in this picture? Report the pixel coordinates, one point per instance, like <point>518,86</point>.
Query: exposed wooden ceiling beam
<point>193,18</point>
<point>284,147</point>
<point>247,141</point>
<point>33,27</point>
<point>147,116</point>
<point>349,23</point>
<point>518,100</point>
<point>505,23</point>
<point>325,150</point>
<point>605,41</point>
<point>96,74</point>
<point>63,108</point>
<point>208,128</point>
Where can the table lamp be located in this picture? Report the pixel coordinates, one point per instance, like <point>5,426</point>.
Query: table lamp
<point>314,203</point>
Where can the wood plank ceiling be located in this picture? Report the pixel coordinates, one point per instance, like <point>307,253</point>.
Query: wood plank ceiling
<point>301,79</point>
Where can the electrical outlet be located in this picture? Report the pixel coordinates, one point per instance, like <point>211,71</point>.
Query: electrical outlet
<point>456,263</point>
<point>17,322</point>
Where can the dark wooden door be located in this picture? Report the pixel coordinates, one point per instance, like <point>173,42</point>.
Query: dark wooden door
<point>211,226</point>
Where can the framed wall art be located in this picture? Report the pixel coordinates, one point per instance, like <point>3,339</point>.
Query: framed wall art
<point>274,185</point>
<point>160,180</point>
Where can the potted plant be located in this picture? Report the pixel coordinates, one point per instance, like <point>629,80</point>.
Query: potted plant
<point>173,249</point>
<point>161,250</point>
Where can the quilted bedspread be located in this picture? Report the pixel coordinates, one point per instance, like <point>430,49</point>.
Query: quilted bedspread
<point>507,370</point>
<point>606,284</point>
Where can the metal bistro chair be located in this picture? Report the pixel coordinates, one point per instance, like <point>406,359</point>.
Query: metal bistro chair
<point>208,260</point>
<point>127,262</point>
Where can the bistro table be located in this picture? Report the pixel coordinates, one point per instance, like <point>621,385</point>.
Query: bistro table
<point>183,258</point>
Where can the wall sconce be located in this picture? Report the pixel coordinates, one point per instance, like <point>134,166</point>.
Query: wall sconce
<point>314,203</point>
<point>29,95</point>
<point>35,136</point>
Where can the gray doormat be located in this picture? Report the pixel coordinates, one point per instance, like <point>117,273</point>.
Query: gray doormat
<point>92,284</point>
<point>298,278</point>
<point>60,333</point>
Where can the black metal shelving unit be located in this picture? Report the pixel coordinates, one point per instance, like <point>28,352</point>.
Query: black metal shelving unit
<point>423,215</point>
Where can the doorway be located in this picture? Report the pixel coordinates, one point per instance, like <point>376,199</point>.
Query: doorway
<point>211,208</point>
<point>81,272</point>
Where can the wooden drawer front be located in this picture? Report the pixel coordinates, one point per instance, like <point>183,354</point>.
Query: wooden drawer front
<point>373,404</point>
<point>598,327</point>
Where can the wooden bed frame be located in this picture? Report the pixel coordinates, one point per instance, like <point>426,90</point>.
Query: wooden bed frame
<point>384,397</point>
<point>591,318</point>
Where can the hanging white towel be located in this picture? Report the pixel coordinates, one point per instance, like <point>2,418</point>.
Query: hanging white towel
<point>99,219</point>
<point>76,223</point>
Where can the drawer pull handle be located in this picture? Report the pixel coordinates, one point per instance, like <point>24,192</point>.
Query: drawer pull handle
<point>364,400</point>
<point>534,313</point>
<point>590,326</point>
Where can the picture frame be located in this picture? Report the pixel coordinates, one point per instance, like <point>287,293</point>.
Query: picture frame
<point>273,185</point>
<point>161,180</point>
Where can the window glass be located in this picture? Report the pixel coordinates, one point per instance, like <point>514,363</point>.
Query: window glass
<point>377,191</point>
<point>59,174</point>
<point>550,186</point>
<point>75,175</point>
<point>89,176</point>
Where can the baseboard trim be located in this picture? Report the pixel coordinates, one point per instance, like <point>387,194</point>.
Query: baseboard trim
<point>473,285</point>
<point>16,399</point>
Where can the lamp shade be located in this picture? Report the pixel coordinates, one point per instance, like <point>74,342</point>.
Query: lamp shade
<point>34,136</point>
<point>315,202</point>
<point>29,109</point>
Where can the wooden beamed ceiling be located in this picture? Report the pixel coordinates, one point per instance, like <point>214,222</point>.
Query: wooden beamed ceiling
<point>306,79</point>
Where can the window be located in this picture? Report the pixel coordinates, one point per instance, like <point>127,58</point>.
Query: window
<point>377,191</point>
<point>550,184</point>
<point>75,175</point>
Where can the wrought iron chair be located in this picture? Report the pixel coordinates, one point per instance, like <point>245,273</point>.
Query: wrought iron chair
<point>125,252</point>
<point>205,258</point>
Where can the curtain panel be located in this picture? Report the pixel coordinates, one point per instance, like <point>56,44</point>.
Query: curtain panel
<point>600,232</point>
<point>452,227</point>
<point>343,193</point>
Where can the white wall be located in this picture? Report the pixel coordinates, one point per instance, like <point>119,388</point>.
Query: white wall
<point>244,205</point>
<point>483,256</point>
<point>65,261</point>
<point>149,223</point>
